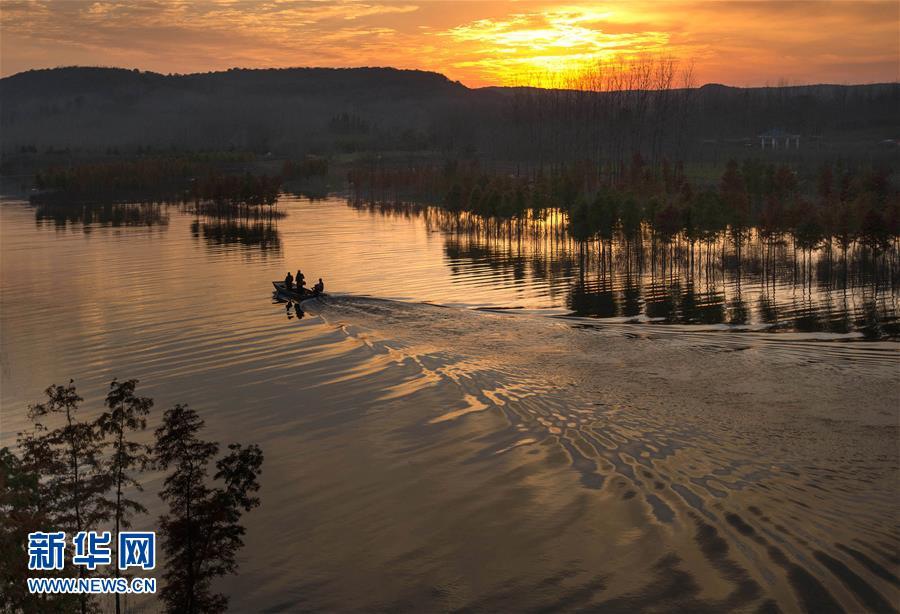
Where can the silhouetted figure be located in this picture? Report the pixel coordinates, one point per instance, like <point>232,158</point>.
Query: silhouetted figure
<point>301,281</point>
<point>289,281</point>
<point>319,287</point>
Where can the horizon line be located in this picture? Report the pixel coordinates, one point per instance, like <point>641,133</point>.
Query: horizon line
<point>785,84</point>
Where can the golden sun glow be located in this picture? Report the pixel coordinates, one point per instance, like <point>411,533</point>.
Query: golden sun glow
<point>478,42</point>
<point>526,48</point>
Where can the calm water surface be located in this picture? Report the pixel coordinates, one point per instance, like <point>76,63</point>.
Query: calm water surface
<point>712,436</point>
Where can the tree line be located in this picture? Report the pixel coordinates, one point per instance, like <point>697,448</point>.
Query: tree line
<point>602,112</point>
<point>72,474</point>
<point>646,103</point>
<point>309,166</point>
<point>156,179</point>
<point>841,204</point>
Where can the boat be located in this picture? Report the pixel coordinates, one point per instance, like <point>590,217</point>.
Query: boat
<point>291,294</point>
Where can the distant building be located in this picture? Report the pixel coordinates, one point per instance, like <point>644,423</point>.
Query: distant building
<point>779,139</point>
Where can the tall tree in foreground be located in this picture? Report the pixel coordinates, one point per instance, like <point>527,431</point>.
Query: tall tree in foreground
<point>23,510</point>
<point>202,531</point>
<point>73,456</point>
<point>126,414</point>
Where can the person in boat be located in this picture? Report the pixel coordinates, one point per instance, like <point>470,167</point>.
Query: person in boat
<point>301,282</point>
<point>288,281</point>
<point>319,287</point>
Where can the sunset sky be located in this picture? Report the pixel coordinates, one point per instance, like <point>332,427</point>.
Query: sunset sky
<point>751,42</point>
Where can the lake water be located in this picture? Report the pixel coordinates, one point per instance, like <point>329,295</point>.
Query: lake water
<point>491,418</point>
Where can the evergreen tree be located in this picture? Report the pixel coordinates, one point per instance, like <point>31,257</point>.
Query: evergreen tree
<point>201,532</point>
<point>71,454</point>
<point>126,414</point>
<point>22,511</point>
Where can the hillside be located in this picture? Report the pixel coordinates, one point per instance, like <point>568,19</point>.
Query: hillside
<point>324,110</point>
<point>247,109</point>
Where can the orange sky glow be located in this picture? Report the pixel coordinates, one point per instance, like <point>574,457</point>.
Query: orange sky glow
<point>501,42</point>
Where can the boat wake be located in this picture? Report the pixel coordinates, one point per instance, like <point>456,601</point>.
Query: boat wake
<point>758,466</point>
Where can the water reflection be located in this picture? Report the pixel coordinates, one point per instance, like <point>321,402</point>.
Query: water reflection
<point>250,228</point>
<point>764,283</point>
<point>86,215</point>
<point>315,188</point>
<point>759,284</point>
<point>261,235</point>
<point>761,470</point>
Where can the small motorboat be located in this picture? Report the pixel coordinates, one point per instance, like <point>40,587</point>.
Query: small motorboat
<point>292,294</point>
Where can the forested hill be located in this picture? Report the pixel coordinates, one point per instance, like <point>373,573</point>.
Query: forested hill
<point>324,110</point>
<point>247,109</point>
<point>119,82</point>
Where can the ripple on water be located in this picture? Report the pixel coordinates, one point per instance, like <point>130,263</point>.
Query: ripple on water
<point>425,458</point>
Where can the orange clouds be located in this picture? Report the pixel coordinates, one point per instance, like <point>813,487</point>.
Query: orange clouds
<point>555,40</point>
<point>741,42</point>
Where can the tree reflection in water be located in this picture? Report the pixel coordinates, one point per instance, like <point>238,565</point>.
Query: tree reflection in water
<point>137,214</point>
<point>247,227</point>
<point>261,235</point>
<point>762,282</point>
